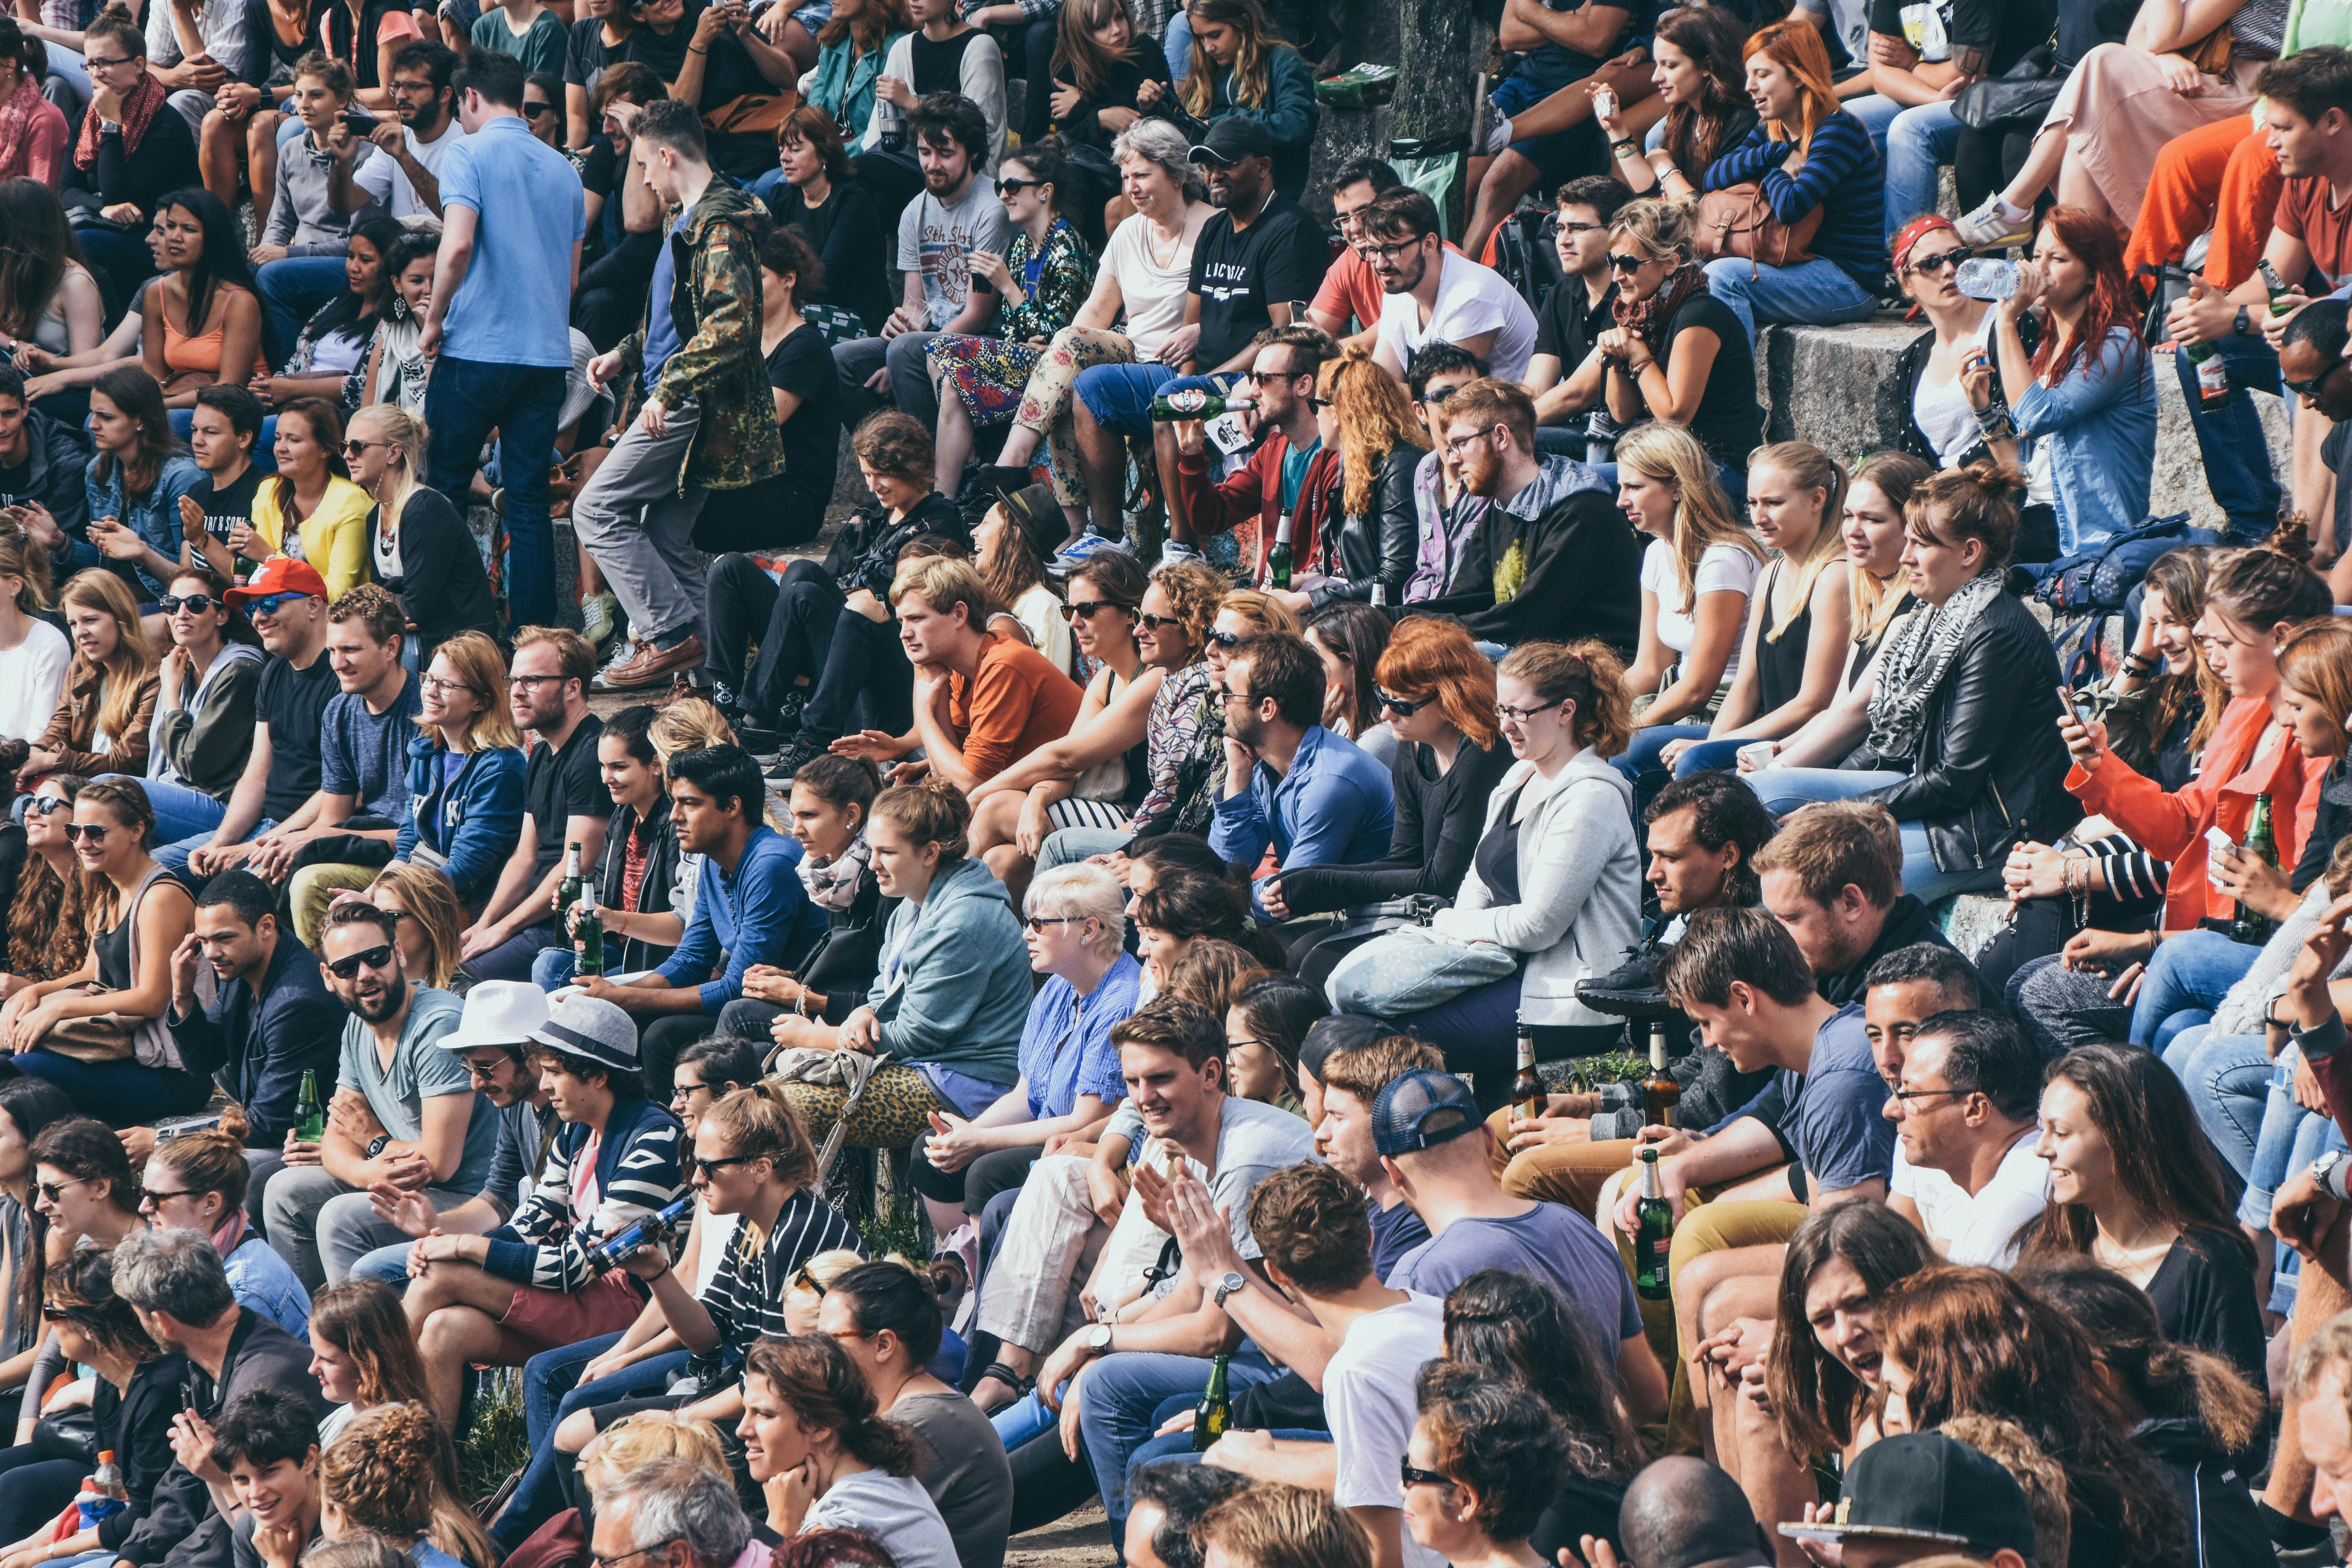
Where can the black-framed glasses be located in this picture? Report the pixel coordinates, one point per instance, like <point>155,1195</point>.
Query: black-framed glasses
<point>532,111</point>
<point>1007,187</point>
<point>439,686</point>
<point>623,1557</point>
<point>1414,1476</point>
<point>1942,262</point>
<point>1260,377</point>
<point>194,604</point>
<point>1402,707</point>
<point>98,63</point>
<point>1086,609</point>
<point>805,1278</point>
<point>1562,227</point>
<point>1226,640</point>
<point>1246,698</point>
<point>53,1191</point>
<point>1039,923</point>
<point>42,804</point>
<point>1628,263</point>
<point>1521,715</point>
<point>1455,444</point>
<point>94,832</point>
<point>1392,248</point>
<point>532,682</point>
<point>1232,1046</point>
<point>373,958</point>
<point>680,1093</point>
<point>711,1167</point>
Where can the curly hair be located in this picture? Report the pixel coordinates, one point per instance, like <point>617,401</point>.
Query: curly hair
<point>1588,674</point>
<point>1375,418</point>
<point>393,1470</point>
<point>1517,1328</point>
<point>1498,1440</point>
<point>825,1389</point>
<point>1212,972</point>
<point>1195,590</point>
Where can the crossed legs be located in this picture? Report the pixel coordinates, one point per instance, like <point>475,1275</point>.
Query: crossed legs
<point>455,1310</point>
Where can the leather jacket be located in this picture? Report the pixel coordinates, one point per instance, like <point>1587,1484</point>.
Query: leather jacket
<point>1990,769</point>
<point>1379,542</point>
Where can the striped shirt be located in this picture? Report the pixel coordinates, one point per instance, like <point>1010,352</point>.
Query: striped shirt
<point>1843,175</point>
<point>637,1172</point>
<point>746,1297</point>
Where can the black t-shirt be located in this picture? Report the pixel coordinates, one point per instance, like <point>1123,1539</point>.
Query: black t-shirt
<point>224,508</point>
<point>599,176</point>
<point>938,68</point>
<point>1566,329</point>
<point>666,54</point>
<point>1280,256</point>
<point>2204,1296</point>
<point>803,363</point>
<point>847,233</point>
<point>1727,422</point>
<point>293,703</point>
<point>585,55</point>
<point>560,785</point>
<point>2021,27</point>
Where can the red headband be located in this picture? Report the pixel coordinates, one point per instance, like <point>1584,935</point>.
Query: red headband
<point>1917,229</point>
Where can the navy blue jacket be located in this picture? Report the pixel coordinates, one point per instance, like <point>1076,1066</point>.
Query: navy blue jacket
<point>259,1048</point>
<point>475,819</point>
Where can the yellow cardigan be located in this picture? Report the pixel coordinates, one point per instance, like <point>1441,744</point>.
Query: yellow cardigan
<point>334,539</point>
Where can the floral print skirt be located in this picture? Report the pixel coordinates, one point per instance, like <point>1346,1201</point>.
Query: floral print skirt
<point>987,375</point>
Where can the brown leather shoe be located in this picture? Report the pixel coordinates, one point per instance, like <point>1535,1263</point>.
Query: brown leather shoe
<point>651,666</point>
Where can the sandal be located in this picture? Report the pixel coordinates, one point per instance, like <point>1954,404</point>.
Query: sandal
<point>1020,1385</point>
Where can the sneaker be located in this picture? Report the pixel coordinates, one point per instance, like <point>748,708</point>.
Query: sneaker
<point>794,757</point>
<point>1989,226</point>
<point>624,649</point>
<point>599,618</point>
<point>650,666</point>
<point>1630,990</point>
<point>760,734</point>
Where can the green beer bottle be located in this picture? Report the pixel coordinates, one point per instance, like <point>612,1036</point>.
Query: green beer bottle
<point>568,893</point>
<point>1214,1414</point>
<point>2251,925</point>
<point>1277,559</point>
<point>2212,376</point>
<point>588,936</point>
<point>309,1116</point>
<point>1653,1234</point>
<point>2282,297</point>
<point>1190,403</point>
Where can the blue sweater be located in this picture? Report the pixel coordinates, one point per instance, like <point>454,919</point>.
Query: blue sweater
<point>1843,175</point>
<point>759,914</point>
<point>1335,805</point>
<point>954,987</point>
<point>474,819</point>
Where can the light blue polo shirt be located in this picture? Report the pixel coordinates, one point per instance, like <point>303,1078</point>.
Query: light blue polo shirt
<point>515,305</point>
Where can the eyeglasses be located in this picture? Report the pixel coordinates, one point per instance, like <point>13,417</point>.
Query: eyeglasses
<point>532,682</point>
<point>1455,444</point>
<point>1226,640</point>
<point>150,1198</point>
<point>1414,1476</point>
<point>1521,715</point>
<point>100,62</point>
<point>1628,263</point>
<point>1402,707</point>
<point>194,604</point>
<point>42,804</point>
<point>95,832</point>
<point>271,605</point>
<point>373,958</point>
<point>1261,377</point>
<point>1008,187</point>
<point>1246,698</point>
<point>1039,923</point>
<point>532,111</point>
<point>711,1167</point>
<point>623,1557</point>
<point>353,447</point>
<point>1578,228</point>
<point>52,1190</point>
<point>1942,262</point>
<point>1086,609</point>
<point>1232,1046</point>
<point>439,686</point>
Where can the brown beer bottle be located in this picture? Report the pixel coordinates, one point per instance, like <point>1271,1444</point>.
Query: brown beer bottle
<point>1661,1094</point>
<point>1528,1100</point>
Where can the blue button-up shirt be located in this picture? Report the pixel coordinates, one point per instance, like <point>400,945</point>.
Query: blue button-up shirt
<point>759,913</point>
<point>1334,806</point>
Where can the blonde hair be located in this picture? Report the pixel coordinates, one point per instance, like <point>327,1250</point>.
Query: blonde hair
<point>691,724</point>
<point>942,582</point>
<point>405,430</point>
<point>476,658</point>
<point>1894,475</point>
<point>760,1121</point>
<point>1375,415</point>
<point>1082,890</point>
<point>1588,674</point>
<point>800,1296</point>
<point>1275,1525</point>
<point>1263,611</point>
<point>635,1441</point>
<point>19,557</point>
<point>1703,515</point>
<point>126,668</point>
<point>1812,469</point>
<point>427,896</point>
<point>1660,228</point>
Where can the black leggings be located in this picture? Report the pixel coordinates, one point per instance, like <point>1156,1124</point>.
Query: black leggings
<point>806,627</point>
<point>998,1171</point>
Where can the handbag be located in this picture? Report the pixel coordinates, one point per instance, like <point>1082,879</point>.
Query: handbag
<point>1739,221</point>
<point>1414,969</point>
<point>2024,91</point>
<point>95,1037</point>
<point>2212,52</point>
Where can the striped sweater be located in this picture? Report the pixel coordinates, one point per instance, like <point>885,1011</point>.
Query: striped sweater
<point>1843,175</point>
<point>637,1171</point>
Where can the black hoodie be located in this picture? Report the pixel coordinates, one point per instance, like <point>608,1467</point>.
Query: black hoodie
<point>2223,1521</point>
<point>1907,920</point>
<point>1573,572</point>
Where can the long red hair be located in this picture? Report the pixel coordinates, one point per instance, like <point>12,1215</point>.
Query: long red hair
<point>2093,241</point>
<point>1797,48</point>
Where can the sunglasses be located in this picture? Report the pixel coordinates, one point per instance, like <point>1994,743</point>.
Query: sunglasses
<point>148,1196</point>
<point>1627,263</point>
<point>1942,262</point>
<point>1153,623</point>
<point>2308,388</point>
<point>533,110</point>
<point>1414,1476</point>
<point>803,1277</point>
<point>273,604</point>
<point>1226,640</point>
<point>1440,393</point>
<point>95,832</point>
<point>1039,923</point>
<point>60,1314</point>
<point>373,958</point>
<point>194,604</point>
<point>42,804</point>
<point>1009,187</point>
<point>1086,609</point>
<point>354,447</point>
<point>1402,707</point>
<point>711,1167</point>
<point>52,1190</point>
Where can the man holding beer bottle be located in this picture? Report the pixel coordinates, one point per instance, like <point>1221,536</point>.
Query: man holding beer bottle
<point>1289,484</point>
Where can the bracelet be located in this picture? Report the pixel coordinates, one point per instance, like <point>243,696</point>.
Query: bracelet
<point>1625,151</point>
<point>2135,665</point>
<point>1995,423</point>
<point>692,50</point>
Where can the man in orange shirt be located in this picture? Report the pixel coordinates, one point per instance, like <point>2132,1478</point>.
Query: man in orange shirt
<point>983,699</point>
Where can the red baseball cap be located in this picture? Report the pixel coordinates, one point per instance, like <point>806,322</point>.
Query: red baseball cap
<point>280,574</point>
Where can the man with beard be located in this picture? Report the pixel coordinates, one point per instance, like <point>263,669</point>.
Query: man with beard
<point>1291,478</point>
<point>1565,564</point>
<point>565,803</point>
<point>405,1114</point>
<point>1433,297</point>
<point>1833,876</point>
<point>417,135</point>
<point>1318,797</point>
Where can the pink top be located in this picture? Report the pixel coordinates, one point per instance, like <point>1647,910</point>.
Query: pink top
<point>42,152</point>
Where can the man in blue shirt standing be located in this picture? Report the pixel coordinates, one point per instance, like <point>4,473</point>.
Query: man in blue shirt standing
<point>748,908</point>
<point>512,216</point>
<point>1319,798</point>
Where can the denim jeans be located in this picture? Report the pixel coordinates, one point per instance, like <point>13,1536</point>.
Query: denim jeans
<point>180,812</point>
<point>1914,145</point>
<point>910,381</point>
<point>2236,454</point>
<point>295,290</point>
<point>1065,845</point>
<point>1176,1449</point>
<point>119,1093</point>
<point>1119,1396</point>
<point>2189,974</point>
<point>551,1391</point>
<point>2292,1138</point>
<point>386,1265</point>
<point>1876,111</point>
<point>1783,790</point>
<point>1640,764</point>
<point>2228,1078</point>
<point>174,855</point>
<point>1812,293</point>
<point>466,400</point>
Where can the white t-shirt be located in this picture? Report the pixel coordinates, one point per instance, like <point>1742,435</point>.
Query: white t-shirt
<point>1039,611</point>
<point>1722,569</point>
<point>1368,1394</point>
<point>1980,1229</point>
<point>386,181</point>
<point>31,675</point>
<point>894,1510</point>
<point>1471,301</point>
<point>1152,295</point>
<point>1943,414</point>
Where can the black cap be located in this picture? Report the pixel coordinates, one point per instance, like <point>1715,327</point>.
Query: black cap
<point>1422,1109</point>
<point>1334,1032</point>
<point>1926,1486</point>
<point>1232,139</point>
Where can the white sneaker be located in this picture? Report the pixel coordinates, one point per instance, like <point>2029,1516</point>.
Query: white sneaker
<point>624,651</point>
<point>1990,226</point>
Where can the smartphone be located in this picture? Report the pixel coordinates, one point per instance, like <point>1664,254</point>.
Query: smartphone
<point>2217,844</point>
<point>2075,705</point>
<point>360,125</point>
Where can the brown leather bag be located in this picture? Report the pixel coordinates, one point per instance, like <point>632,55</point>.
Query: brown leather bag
<point>1739,221</point>
<point>95,1037</point>
<point>2212,54</point>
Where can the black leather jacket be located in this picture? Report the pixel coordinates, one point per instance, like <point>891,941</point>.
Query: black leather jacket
<point>1991,770</point>
<point>1379,542</point>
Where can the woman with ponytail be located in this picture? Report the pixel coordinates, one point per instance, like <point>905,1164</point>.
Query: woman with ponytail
<point>953,993</point>
<point>1956,749</point>
<point>417,545</point>
<point>815,1439</point>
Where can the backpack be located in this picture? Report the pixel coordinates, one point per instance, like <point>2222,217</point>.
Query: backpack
<point>2101,578</point>
<point>1527,258</point>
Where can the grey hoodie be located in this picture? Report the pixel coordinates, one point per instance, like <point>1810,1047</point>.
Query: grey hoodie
<point>954,986</point>
<point>204,742</point>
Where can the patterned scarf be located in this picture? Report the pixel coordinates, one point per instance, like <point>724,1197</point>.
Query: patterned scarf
<point>1910,671</point>
<point>1648,318</point>
<point>15,121</point>
<point>833,884</point>
<point>138,111</point>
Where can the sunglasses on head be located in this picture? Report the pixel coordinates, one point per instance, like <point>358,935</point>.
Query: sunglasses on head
<point>1402,707</point>
<point>95,832</point>
<point>373,958</point>
<point>194,604</point>
<point>1086,609</point>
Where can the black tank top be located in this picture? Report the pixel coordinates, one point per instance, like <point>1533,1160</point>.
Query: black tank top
<point>1781,665</point>
<point>1138,756</point>
<point>113,949</point>
<point>1498,856</point>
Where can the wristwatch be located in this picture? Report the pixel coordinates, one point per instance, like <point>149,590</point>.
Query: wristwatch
<point>1098,1340</point>
<point>1226,1287</point>
<point>376,1144</point>
<point>2323,1172</point>
<point>2243,325</point>
<point>109,127</point>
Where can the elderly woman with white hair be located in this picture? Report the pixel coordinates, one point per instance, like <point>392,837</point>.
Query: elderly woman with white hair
<point>1075,926</point>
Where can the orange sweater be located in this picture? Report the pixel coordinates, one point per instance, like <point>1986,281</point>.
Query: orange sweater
<point>2172,826</point>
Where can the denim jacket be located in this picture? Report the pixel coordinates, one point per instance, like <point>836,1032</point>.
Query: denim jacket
<point>154,517</point>
<point>2100,422</point>
<point>261,1282</point>
<point>475,819</point>
<point>843,83</point>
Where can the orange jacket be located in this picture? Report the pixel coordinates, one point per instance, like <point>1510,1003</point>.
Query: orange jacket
<point>2172,826</point>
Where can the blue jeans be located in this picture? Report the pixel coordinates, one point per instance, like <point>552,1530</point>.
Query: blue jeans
<point>2292,1138</point>
<point>2189,974</point>
<point>1176,1449</point>
<point>1876,111</point>
<point>1783,790</point>
<point>1023,1419</point>
<point>1916,142</point>
<point>1120,395</point>
<point>1178,39</point>
<point>553,968</point>
<point>1065,845</point>
<point>515,958</point>
<point>121,1093</point>
<point>1121,1395</point>
<point>295,290</point>
<point>180,812</point>
<point>466,400</point>
<point>2228,1078</point>
<point>1813,293</point>
<point>551,1391</point>
<point>385,1265</point>
<point>174,855</point>
<point>2237,456</point>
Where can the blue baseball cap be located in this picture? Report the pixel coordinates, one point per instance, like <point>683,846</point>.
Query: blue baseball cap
<point>1422,1109</point>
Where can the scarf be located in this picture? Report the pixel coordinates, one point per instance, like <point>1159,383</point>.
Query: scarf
<point>15,122</point>
<point>138,111</point>
<point>833,884</point>
<point>1910,671</point>
<point>1648,318</point>
<point>231,1234</point>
